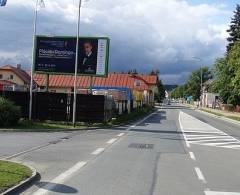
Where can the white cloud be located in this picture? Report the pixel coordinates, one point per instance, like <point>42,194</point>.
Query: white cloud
<point>149,34</point>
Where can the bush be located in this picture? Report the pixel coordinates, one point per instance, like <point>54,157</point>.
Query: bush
<point>9,113</point>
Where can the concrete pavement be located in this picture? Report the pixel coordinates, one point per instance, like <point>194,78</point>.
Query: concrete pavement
<point>175,151</point>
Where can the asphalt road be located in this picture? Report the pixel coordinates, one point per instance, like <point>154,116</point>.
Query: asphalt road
<point>174,151</point>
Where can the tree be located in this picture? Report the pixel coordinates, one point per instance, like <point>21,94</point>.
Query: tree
<point>193,86</point>
<point>222,80</point>
<point>234,30</point>
<point>227,76</point>
<point>161,91</point>
<point>234,66</point>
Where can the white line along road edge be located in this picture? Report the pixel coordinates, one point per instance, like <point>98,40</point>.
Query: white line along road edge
<point>60,179</point>
<point>181,128</point>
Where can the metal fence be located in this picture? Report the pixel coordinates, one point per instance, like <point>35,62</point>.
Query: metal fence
<point>58,106</point>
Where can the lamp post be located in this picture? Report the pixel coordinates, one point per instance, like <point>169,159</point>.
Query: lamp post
<point>76,64</point>
<point>34,35</point>
<point>201,75</point>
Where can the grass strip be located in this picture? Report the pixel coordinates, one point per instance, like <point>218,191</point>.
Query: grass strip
<point>12,174</point>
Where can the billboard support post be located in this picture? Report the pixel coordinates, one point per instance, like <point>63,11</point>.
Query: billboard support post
<point>76,65</point>
<point>33,51</point>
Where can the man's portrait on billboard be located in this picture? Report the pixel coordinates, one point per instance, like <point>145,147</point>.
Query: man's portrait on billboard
<point>88,57</point>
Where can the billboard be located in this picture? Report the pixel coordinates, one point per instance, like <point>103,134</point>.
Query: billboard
<point>56,55</point>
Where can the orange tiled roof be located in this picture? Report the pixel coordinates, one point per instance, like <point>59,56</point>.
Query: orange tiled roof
<point>113,80</point>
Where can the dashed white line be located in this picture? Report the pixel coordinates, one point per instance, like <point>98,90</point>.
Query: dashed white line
<point>60,179</point>
<point>199,174</point>
<point>98,151</point>
<point>220,193</point>
<point>120,134</point>
<point>192,156</point>
<point>111,141</point>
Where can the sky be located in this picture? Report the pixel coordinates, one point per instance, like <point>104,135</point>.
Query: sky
<point>145,35</point>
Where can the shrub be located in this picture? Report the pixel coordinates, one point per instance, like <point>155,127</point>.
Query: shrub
<point>9,113</point>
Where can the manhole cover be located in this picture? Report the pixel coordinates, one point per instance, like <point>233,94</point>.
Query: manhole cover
<point>141,146</point>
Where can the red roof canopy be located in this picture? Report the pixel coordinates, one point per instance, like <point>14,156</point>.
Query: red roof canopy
<point>113,80</point>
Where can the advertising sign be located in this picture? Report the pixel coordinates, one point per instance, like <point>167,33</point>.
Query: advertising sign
<point>56,55</point>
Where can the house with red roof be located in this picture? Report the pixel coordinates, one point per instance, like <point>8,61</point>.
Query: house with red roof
<point>14,78</point>
<point>142,86</point>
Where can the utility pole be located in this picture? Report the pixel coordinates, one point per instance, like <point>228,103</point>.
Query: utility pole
<point>76,64</point>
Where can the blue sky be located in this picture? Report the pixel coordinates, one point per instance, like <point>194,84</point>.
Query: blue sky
<point>153,34</point>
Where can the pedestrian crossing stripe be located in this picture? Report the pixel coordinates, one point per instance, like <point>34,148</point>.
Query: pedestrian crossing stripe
<point>200,133</point>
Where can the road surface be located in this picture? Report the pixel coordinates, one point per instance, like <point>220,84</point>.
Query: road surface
<point>174,151</point>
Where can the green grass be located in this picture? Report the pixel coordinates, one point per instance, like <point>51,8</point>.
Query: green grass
<point>48,126</point>
<point>11,174</point>
<point>234,118</point>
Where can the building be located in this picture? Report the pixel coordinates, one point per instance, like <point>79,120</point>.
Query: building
<point>14,78</point>
<point>208,99</point>
<point>142,86</point>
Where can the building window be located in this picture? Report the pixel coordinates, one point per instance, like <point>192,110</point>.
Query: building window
<point>1,76</point>
<point>11,77</point>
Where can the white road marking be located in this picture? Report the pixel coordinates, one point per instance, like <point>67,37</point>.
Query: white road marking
<point>192,156</point>
<point>27,151</point>
<point>98,151</point>
<point>226,140</point>
<point>111,141</point>
<point>232,146</point>
<point>205,132</point>
<point>207,138</point>
<point>221,193</point>
<point>181,128</point>
<point>139,122</point>
<point>60,179</point>
<point>200,175</point>
<point>198,132</point>
<point>120,134</point>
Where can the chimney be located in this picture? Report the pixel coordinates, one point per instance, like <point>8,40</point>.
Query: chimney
<point>18,66</point>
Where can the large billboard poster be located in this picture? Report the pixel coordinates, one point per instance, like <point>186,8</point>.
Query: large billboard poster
<point>56,55</point>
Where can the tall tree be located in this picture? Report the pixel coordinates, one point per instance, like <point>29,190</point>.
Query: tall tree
<point>193,86</point>
<point>161,91</point>
<point>222,80</point>
<point>234,30</point>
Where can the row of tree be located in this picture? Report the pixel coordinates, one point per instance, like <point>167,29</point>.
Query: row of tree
<point>225,73</point>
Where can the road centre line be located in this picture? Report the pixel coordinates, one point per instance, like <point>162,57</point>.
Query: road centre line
<point>98,151</point>
<point>192,156</point>
<point>200,175</point>
<point>120,134</point>
<point>111,141</point>
<point>60,179</point>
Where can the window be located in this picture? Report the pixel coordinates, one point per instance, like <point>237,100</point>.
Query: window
<point>1,76</point>
<point>11,77</point>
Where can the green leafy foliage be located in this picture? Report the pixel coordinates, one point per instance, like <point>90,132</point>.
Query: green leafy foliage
<point>193,85</point>
<point>9,113</point>
<point>234,30</point>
